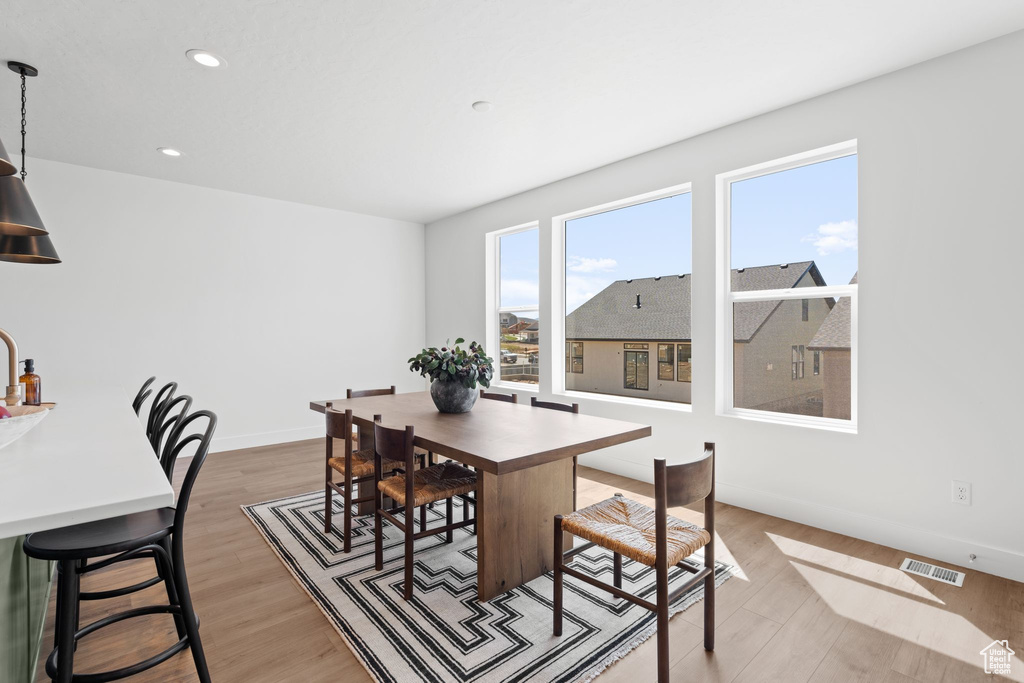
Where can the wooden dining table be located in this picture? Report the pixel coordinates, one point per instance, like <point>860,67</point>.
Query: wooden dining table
<point>524,457</point>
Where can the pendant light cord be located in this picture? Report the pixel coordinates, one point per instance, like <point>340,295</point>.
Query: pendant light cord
<point>23,101</point>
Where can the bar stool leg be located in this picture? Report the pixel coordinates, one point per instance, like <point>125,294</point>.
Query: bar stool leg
<point>66,618</point>
<point>617,570</point>
<point>166,572</point>
<point>189,614</point>
<point>557,596</point>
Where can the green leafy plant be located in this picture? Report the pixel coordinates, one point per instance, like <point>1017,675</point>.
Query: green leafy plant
<point>470,366</point>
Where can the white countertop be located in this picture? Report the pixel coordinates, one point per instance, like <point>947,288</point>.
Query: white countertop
<point>88,459</point>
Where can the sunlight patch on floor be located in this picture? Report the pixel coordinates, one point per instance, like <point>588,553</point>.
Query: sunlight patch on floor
<point>864,570</point>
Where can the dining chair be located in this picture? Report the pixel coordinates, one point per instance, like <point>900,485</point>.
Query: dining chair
<point>354,466</point>
<point>653,538</point>
<point>495,396</point>
<point>158,532</point>
<point>565,408</point>
<point>411,489</point>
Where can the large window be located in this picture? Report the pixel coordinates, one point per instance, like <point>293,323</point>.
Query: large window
<point>518,319</point>
<point>788,286</point>
<point>627,284</point>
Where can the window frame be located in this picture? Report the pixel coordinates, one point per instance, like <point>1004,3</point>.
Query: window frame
<point>689,359</point>
<point>492,338</point>
<point>556,298</point>
<point>572,357</point>
<point>726,298</point>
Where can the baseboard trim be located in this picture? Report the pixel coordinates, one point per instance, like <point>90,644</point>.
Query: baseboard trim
<point>234,443</point>
<point>947,549</point>
<point>928,544</point>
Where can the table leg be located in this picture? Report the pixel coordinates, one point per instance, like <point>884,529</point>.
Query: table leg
<point>364,440</point>
<point>514,517</point>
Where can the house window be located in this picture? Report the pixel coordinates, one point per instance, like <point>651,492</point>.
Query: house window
<point>683,369</point>
<point>666,361</point>
<point>798,362</point>
<point>574,362</point>
<point>516,348</point>
<point>636,372</point>
<point>789,227</point>
<point>626,284</point>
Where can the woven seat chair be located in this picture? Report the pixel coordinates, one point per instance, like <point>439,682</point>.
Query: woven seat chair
<point>361,466</point>
<point>653,538</point>
<point>573,408</point>
<point>412,489</point>
<point>142,395</point>
<point>355,466</point>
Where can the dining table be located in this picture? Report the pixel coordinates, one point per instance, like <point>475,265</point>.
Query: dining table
<point>524,458</point>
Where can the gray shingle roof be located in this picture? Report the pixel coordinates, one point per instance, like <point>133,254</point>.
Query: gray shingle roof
<point>665,305</point>
<point>834,332</point>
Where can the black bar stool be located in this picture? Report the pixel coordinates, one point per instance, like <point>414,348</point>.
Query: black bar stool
<point>159,532</point>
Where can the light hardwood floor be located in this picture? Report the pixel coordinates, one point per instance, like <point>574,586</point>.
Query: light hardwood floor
<point>807,605</point>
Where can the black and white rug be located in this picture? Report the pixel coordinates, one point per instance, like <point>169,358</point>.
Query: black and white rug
<point>444,633</point>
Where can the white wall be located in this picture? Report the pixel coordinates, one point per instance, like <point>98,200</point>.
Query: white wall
<point>940,150</point>
<point>255,306</point>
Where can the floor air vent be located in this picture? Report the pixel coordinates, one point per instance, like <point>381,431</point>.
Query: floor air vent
<point>953,578</point>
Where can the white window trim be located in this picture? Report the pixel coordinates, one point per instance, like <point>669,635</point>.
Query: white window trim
<point>725,298</point>
<point>556,331</point>
<point>492,297</point>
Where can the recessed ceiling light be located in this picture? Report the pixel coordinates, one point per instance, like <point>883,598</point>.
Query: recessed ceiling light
<point>482,105</point>
<point>206,58</point>
<point>169,151</point>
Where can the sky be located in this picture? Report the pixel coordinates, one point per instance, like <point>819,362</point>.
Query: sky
<point>807,213</point>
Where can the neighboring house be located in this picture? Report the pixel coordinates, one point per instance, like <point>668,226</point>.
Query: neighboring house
<point>612,347</point>
<point>831,354</point>
<point>531,335</point>
<point>508,320</point>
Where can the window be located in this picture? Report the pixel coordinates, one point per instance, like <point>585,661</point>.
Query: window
<point>666,361</point>
<point>635,372</point>
<point>518,319</point>
<point>627,293</point>
<point>683,362</point>
<point>798,362</point>
<point>574,357</point>
<point>789,227</point>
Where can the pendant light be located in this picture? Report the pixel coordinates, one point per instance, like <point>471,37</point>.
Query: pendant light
<point>23,239</point>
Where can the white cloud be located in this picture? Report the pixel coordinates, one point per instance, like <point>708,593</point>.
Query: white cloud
<point>580,289</point>
<point>582,264</point>
<point>519,292</point>
<point>834,238</point>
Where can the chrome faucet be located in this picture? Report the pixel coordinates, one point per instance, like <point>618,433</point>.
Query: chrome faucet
<point>13,397</point>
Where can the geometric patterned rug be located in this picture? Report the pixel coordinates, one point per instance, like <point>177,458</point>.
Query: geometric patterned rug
<point>444,634</point>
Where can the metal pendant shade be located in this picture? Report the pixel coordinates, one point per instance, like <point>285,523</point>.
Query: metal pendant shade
<point>6,167</point>
<point>22,249</point>
<point>18,215</point>
<point>23,239</point>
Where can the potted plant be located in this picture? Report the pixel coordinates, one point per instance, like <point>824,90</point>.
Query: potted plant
<point>455,372</point>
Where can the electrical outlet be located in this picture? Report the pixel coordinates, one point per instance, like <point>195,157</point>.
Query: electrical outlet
<point>961,492</point>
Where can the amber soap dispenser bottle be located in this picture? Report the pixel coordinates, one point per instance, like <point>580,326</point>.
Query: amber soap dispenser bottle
<point>32,394</point>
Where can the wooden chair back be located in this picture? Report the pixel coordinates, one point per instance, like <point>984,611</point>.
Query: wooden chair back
<point>353,393</point>
<point>687,482</point>
<point>394,444</point>
<point>494,396</point>
<point>551,405</point>
<point>339,423</point>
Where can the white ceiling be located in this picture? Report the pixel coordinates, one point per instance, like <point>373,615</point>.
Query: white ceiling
<point>364,105</point>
